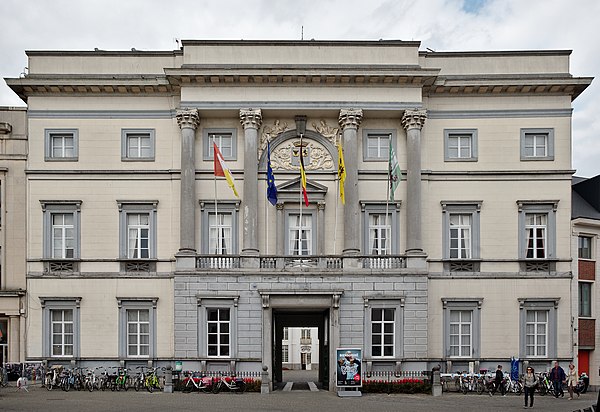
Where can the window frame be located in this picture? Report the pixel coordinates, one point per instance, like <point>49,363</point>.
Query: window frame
<point>392,133</point>
<point>137,207</point>
<point>53,303</point>
<point>539,304</point>
<point>548,132</point>
<point>384,302</point>
<point>538,207</point>
<point>369,208</point>
<point>589,248</point>
<point>126,304</point>
<point>470,133</point>
<point>463,304</point>
<point>472,208</point>
<point>55,207</point>
<point>207,208</point>
<point>126,134</point>
<point>208,152</point>
<point>217,302</point>
<point>48,147</point>
<point>313,227</point>
<point>589,305</point>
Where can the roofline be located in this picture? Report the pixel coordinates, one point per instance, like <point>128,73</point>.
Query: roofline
<point>312,42</point>
<point>495,53</point>
<point>133,52</point>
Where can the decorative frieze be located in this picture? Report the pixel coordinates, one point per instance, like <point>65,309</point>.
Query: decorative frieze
<point>329,132</point>
<point>188,119</point>
<point>251,118</point>
<point>316,157</point>
<point>269,133</point>
<point>350,118</point>
<point>414,119</point>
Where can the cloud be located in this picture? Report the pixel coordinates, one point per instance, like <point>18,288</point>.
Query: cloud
<point>438,24</point>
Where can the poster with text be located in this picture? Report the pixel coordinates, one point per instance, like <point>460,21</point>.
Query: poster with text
<point>349,370</point>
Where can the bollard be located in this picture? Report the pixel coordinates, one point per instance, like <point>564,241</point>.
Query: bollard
<point>264,383</point>
<point>168,380</point>
<point>436,388</point>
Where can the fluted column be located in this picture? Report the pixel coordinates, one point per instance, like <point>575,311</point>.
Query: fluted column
<point>349,120</point>
<point>251,120</point>
<point>188,121</point>
<point>413,121</point>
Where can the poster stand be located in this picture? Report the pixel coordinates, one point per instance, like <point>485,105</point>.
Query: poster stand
<point>349,392</point>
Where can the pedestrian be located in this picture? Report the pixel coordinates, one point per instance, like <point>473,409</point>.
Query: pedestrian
<point>498,380</point>
<point>530,382</point>
<point>558,376</point>
<point>572,379</point>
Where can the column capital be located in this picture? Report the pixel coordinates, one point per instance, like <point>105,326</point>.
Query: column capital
<point>414,119</point>
<point>350,118</point>
<point>188,118</point>
<point>251,118</point>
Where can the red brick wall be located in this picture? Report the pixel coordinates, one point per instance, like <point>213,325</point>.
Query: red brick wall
<point>587,332</point>
<point>587,270</point>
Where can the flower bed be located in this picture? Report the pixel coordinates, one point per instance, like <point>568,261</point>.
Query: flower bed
<point>409,385</point>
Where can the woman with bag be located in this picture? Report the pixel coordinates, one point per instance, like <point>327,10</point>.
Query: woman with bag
<point>572,379</point>
<point>530,381</point>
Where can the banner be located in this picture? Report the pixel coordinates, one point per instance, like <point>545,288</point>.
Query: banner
<point>349,371</point>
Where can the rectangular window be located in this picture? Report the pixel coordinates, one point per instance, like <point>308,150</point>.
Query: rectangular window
<point>376,144</point>
<point>61,221</point>
<point>62,332</point>
<point>536,231</point>
<point>536,333</point>
<point>461,329</point>
<point>460,236</point>
<point>137,224</point>
<point>63,236</point>
<point>382,332</point>
<point>537,144</point>
<point>300,234</point>
<point>286,333</point>
<point>584,248</point>
<point>285,354</point>
<point>220,233</point>
<point>226,140</point>
<point>460,145</point>
<point>61,144</point>
<point>218,333</point>
<point>585,299</point>
<point>138,333</point>
<point>380,230</point>
<point>137,144</point>
<point>138,229</point>
<point>305,334</point>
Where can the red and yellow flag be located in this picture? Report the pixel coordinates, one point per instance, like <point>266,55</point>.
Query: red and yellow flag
<point>303,177</point>
<point>221,169</point>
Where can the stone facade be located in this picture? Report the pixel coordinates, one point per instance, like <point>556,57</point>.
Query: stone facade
<point>135,244</point>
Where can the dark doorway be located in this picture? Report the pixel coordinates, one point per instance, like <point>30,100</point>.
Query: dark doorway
<point>301,319</point>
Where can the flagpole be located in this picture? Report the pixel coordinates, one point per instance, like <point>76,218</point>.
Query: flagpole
<point>267,219</point>
<point>336,208</point>
<point>387,197</point>
<point>301,195</point>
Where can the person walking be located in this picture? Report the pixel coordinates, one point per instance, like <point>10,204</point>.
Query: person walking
<point>572,379</point>
<point>530,382</point>
<point>498,380</point>
<point>558,376</point>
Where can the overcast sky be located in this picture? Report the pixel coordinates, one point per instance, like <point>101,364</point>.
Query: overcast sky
<point>441,25</point>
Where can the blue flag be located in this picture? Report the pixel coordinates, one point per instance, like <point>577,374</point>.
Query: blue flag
<point>271,188</point>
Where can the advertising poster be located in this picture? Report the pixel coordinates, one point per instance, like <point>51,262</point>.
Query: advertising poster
<point>349,369</point>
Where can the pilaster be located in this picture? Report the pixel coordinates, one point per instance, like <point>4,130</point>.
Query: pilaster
<point>349,121</point>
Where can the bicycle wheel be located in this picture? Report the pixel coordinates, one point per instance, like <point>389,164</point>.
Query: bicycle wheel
<point>216,387</point>
<point>242,387</point>
<point>48,383</point>
<point>518,388</point>
<point>136,385</point>
<point>480,387</point>
<point>149,384</point>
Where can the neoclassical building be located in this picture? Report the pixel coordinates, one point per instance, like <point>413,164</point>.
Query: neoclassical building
<point>137,253</point>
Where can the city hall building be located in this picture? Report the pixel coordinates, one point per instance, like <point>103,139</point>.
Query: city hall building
<point>138,254</point>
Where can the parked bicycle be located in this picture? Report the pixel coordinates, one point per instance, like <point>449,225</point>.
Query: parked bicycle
<point>194,382</point>
<point>232,383</point>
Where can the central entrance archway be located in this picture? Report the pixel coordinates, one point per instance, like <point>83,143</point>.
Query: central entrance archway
<point>286,318</point>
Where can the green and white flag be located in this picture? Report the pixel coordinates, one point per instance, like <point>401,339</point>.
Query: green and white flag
<point>394,175</point>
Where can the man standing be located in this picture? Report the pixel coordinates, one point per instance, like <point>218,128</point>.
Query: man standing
<point>498,382</point>
<point>557,376</point>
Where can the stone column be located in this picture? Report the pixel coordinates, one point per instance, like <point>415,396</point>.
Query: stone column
<point>251,120</point>
<point>280,231</point>
<point>349,120</point>
<point>188,121</point>
<point>321,228</point>
<point>413,121</point>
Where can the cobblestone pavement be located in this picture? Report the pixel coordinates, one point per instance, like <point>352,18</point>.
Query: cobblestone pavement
<point>39,399</point>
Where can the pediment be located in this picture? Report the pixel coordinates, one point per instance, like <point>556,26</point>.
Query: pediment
<point>290,190</point>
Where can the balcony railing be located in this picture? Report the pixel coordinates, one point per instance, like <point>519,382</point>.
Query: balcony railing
<point>323,262</point>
